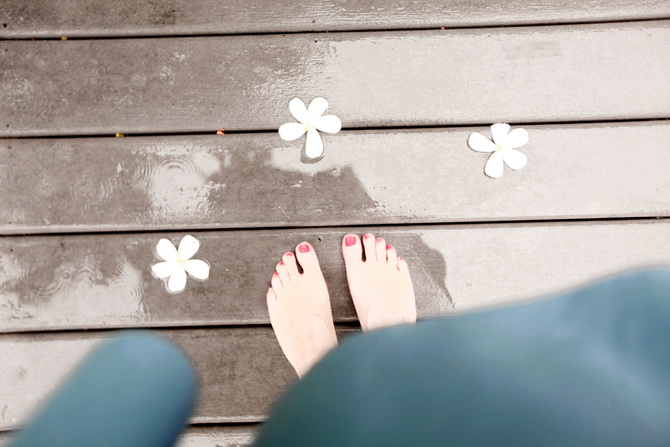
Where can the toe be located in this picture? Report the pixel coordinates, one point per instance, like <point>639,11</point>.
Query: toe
<point>276,283</point>
<point>369,246</point>
<point>391,255</point>
<point>307,257</point>
<point>290,264</point>
<point>352,250</point>
<point>380,249</point>
<point>402,266</point>
<point>271,296</point>
<point>283,272</point>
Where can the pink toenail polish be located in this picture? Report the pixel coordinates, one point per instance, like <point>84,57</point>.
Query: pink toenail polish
<point>275,274</point>
<point>289,254</point>
<point>388,247</point>
<point>379,239</point>
<point>366,236</point>
<point>349,241</point>
<point>304,248</point>
<point>281,262</point>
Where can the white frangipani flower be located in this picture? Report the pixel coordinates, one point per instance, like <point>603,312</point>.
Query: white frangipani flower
<point>310,121</point>
<point>503,146</point>
<point>177,262</point>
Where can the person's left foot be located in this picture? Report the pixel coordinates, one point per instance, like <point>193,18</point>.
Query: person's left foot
<point>299,308</point>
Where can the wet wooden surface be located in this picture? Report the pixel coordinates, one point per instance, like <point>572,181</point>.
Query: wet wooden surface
<point>199,436</point>
<point>240,371</point>
<point>104,281</point>
<point>366,177</point>
<point>76,18</point>
<point>80,217</point>
<point>611,71</point>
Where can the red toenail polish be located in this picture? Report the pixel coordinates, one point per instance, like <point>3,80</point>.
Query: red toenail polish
<point>366,236</point>
<point>388,247</point>
<point>289,254</point>
<point>349,241</point>
<point>304,248</point>
<point>275,274</point>
<point>281,262</point>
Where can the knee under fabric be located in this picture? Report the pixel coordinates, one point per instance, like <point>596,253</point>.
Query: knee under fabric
<point>136,390</point>
<point>590,368</point>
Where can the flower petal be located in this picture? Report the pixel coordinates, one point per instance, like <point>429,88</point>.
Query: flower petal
<point>498,132</point>
<point>516,138</point>
<point>166,250</point>
<point>494,166</point>
<point>298,110</point>
<point>317,107</point>
<point>480,143</point>
<point>163,269</point>
<point>328,123</point>
<point>314,146</point>
<point>177,281</point>
<point>291,131</point>
<point>514,159</point>
<point>197,268</point>
<point>188,246</point>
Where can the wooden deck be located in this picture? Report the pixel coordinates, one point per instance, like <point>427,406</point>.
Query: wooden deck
<point>82,210</point>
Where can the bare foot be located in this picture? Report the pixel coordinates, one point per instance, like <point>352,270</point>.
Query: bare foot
<point>299,309</point>
<point>380,286</point>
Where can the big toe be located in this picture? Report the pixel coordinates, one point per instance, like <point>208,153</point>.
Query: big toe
<point>352,250</point>
<point>307,258</point>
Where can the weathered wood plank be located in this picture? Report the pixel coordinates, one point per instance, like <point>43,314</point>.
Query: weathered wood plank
<point>378,177</point>
<point>104,281</point>
<point>240,371</point>
<point>196,436</point>
<point>77,18</point>
<point>468,76</point>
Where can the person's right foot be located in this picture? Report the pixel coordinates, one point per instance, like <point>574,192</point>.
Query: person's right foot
<point>380,286</point>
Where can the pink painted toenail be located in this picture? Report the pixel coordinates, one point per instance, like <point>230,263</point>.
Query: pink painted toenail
<point>366,236</point>
<point>304,248</point>
<point>349,241</point>
<point>379,239</point>
<point>288,254</point>
<point>388,247</point>
<point>281,262</point>
<point>275,274</point>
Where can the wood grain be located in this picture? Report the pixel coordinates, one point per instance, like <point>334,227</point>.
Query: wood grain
<point>198,436</point>
<point>77,18</point>
<point>104,281</point>
<point>366,177</point>
<point>240,371</point>
<point>612,71</point>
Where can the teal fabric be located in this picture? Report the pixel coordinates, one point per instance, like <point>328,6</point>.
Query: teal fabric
<point>591,368</point>
<point>135,390</point>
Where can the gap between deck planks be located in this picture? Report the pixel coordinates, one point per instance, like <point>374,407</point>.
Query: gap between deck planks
<point>198,436</point>
<point>613,71</point>
<point>366,177</point>
<point>99,18</point>
<point>104,281</point>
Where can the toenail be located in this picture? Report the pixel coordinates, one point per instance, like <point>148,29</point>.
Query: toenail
<point>349,241</point>
<point>304,248</point>
<point>388,247</point>
<point>275,274</point>
<point>281,263</point>
<point>379,239</point>
<point>367,236</point>
<point>288,254</point>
